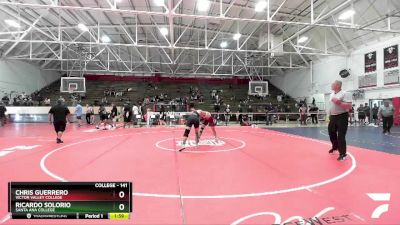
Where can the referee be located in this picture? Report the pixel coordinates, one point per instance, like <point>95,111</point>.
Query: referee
<point>338,119</point>
<point>58,115</point>
<point>386,114</point>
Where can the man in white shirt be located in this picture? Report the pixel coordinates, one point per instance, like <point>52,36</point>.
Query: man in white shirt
<point>135,110</point>
<point>340,106</point>
<point>386,112</point>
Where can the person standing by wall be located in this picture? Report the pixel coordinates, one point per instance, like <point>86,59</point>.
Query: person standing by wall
<point>386,114</point>
<point>340,106</point>
<point>352,117</point>
<point>3,111</point>
<point>367,111</point>
<point>227,114</point>
<point>303,114</point>
<point>114,115</point>
<point>375,111</point>
<point>361,115</point>
<point>127,115</point>
<point>89,114</point>
<point>314,113</point>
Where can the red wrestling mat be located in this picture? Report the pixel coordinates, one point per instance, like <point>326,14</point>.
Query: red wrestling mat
<point>249,176</point>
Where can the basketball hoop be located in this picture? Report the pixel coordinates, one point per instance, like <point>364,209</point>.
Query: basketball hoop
<point>77,84</point>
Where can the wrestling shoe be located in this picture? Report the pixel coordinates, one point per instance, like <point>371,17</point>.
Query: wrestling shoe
<point>342,157</point>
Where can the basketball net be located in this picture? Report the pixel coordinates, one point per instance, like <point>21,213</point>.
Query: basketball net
<point>71,90</point>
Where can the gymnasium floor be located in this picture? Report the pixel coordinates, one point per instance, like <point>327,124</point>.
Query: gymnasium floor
<point>251,176</point>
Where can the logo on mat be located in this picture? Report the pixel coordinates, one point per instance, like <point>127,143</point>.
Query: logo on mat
<point>7,151</point>
<point>379,197</point>
<point>206,142</point>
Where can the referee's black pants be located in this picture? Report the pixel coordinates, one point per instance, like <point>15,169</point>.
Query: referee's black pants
<point>387,123</point>
<point>88,118</point>
<point>337,129</point>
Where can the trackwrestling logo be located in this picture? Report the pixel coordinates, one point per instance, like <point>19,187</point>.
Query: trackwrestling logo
<point>206,142</point>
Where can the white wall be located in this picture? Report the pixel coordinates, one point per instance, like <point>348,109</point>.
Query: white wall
<point>356,61</point>
<point>299,84</point>
<point>307,82</point>
<point>21,76</point>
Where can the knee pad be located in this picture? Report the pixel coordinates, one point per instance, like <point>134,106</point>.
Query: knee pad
<point>186,134</point>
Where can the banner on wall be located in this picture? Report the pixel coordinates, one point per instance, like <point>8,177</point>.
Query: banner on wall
<point>391,77</point>
<point>370,62</point>
<point>396,105</point>
<point>368,80</point>
<point>390,57</point>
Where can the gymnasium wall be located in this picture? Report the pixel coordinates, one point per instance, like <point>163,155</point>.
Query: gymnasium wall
<point>21,76</point>
<point>316,81</point>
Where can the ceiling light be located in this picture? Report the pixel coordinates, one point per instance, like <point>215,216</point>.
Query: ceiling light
<point>236,36</point>
<point>12,23</point>
<point>164,31</point>
<point>159,2</point>
<point>105,38</point>
<point>203,5</point>
<point>260,6</point>
<point>83,27</point>
<point>224,44</point>
<point>347,14</point>
<point>302,39</point>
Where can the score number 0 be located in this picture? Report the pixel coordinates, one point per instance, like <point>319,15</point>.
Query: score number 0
<point>121,194</point>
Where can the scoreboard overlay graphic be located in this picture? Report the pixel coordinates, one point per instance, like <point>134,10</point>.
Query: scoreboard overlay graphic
<point>70,200</point>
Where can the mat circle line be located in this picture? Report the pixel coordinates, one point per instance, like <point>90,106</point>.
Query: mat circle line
<point>245,195</point>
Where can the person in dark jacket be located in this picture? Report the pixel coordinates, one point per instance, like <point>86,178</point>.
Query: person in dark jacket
<point>58,115</point>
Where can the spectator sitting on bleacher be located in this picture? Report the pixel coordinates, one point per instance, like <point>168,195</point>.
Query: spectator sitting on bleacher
<point>106,92</point>
<point>146,101</point>
<point>61,98</point>
<point>29,102</point>
<point>213,93</point>
<point>239,110</point>
<point>47,102</point>
<point>221,101</point>
<point>201,99</point>
<point>104,101</point>
<point>23,95</point>
<point>119,93</point>
<point>5,100</point>
<point>173,105</point>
